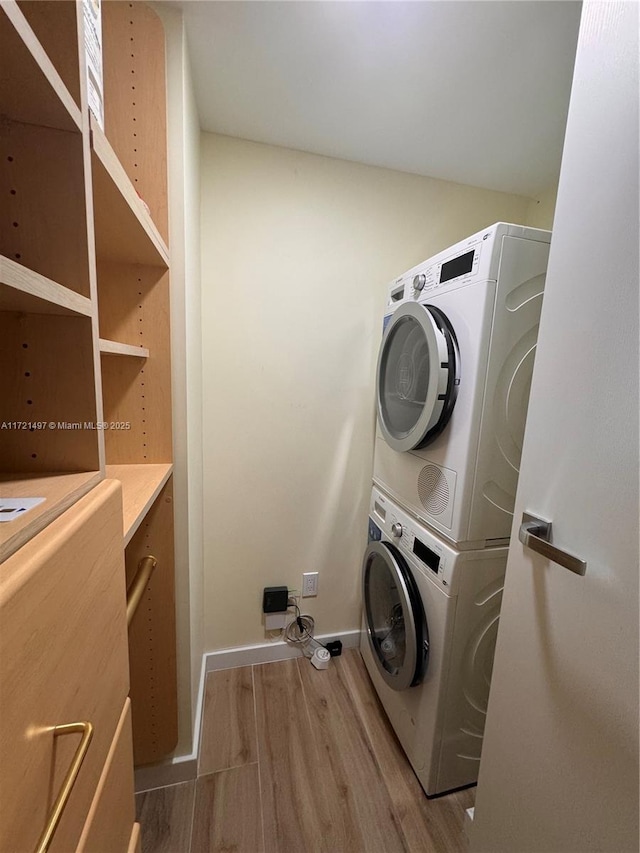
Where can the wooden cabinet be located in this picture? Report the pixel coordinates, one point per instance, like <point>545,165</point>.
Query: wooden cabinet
<point>110,821</point>
<point>85,342</point>
<point>63,659</point>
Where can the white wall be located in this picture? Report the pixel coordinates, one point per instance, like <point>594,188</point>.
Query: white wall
<point>184,243</point>
<point>541,209</point>
<point>297,250</point>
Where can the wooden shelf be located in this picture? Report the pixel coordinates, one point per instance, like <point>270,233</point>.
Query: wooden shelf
<point>141,485</point>
<point>116,348</point>
<point>125,231</point>
<point>31,90</point>
<point>24,290</point>
<point>60,492</point>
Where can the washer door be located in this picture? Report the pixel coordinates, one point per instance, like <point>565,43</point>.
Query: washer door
<point>394,615</point>
<point>418,376</point>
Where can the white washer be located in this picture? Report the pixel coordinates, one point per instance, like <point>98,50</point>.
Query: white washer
<point>453,382</point>
<point>429,628</point>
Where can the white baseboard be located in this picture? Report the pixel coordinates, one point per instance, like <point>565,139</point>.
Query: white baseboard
<point>268,652</point>
<point>178,768</point>
<point>183,768</point>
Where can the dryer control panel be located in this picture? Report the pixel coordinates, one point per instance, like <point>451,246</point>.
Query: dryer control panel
<point>471,260</point>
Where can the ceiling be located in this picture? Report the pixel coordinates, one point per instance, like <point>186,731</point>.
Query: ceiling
<point>473,92</point>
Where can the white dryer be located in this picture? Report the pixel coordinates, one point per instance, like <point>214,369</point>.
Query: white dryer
<point>453,381</point>
<point>430,620</point>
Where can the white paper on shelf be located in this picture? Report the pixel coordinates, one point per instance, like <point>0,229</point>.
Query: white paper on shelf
<point>93,52</point>
<point>12,508</point>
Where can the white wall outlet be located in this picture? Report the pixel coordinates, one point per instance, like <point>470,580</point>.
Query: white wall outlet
<point>309,584</point>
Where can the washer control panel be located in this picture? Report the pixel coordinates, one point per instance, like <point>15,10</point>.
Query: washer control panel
<point>422,549</point>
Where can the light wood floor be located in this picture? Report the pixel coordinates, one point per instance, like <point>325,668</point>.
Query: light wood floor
<point>293,760</point>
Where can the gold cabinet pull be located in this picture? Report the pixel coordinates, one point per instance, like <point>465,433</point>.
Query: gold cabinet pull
<point>86,730</point>
<point>139,584</point>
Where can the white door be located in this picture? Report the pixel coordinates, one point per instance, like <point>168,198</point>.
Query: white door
<point>559,769</point>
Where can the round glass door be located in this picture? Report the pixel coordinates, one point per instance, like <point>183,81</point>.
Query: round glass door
<point>418,375</point>
<point>396,624</point>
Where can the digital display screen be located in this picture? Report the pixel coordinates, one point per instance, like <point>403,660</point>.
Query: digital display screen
<point>375,534</point>
<point>428,557</point>
<point>458,266</point>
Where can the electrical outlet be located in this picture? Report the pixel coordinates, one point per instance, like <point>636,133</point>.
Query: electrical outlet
<point>309,584</point>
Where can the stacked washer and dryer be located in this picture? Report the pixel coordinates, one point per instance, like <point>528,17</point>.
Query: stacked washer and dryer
<point>453,381</point>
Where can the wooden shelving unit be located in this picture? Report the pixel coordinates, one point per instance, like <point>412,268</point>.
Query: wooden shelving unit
<point>141,485</point>
<point>48,381</point>
<point>84,304</point>
<point>130,204</point>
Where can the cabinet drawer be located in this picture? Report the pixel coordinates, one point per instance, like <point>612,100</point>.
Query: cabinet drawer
<point>112,813</point>
<point>63,659</point>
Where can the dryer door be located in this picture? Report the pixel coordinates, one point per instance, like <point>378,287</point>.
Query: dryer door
<point>394,616</point>
<point>418,376</point>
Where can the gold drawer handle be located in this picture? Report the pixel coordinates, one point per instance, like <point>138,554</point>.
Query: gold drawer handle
<point>86,730</point>
<point>139,584</point>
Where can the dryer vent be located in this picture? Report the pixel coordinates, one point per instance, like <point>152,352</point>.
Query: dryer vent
<point>433,490</point>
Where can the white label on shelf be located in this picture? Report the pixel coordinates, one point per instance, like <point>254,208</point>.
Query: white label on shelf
<point>93,53</point>
<point>12,508</point>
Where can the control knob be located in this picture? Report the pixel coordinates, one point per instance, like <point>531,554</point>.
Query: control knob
<point>419,282</point>
<point>396,529</point>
